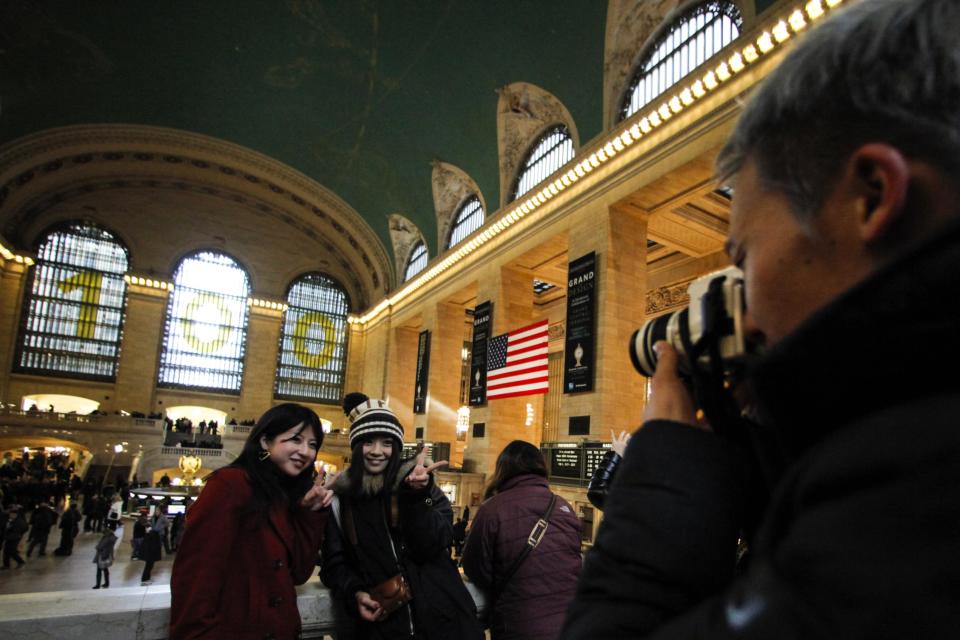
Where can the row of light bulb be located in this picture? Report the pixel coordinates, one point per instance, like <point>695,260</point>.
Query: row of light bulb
<point>148,282</point>
<point>10,255</point>
<point>168,286</point>
<point>795,22</point>
<point>267,304</point>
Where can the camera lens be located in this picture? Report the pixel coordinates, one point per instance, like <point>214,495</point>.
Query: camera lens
<point>641,344</point>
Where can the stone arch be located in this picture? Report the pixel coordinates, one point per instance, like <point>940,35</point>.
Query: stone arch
<point>405,235</point>
<point>141,181</point>
<point>524,111</point>
<point>451,186</point>
<point>631,27</point>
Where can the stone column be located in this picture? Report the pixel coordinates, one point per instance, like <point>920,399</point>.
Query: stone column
<point>511,290</point>
<point>140,351</point>
<point>12,282</point>
<point>401,376</point>
<point>446,344</point>
<point>620,239</point>
<point>260,363</point>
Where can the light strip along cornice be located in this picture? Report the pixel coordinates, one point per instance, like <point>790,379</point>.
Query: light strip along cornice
<point>778,32</point>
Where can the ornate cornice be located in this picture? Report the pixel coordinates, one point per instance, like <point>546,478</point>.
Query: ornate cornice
<point>663,299</point>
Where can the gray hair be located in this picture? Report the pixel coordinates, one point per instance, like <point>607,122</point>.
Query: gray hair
<point>877,71</point>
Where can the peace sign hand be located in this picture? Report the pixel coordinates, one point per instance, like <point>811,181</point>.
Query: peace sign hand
<point>320,494</point>
<point>419,477</point>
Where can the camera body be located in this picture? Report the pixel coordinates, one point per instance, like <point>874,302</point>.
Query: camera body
<point>711,325</point>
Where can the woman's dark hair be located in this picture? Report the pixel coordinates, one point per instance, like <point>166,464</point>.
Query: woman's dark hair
<point>357,471</point>
<point>270,485</point>
<point>517,458</point>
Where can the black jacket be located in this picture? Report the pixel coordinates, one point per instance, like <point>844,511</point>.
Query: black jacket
<point>862,536</point>
<point>442,607</point>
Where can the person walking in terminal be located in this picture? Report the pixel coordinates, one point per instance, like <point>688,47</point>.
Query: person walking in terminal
<point>69,528</point>
<point>151,551</point>
<point>386,555</point>
<point>529,586</point>
<point>252,535</point>
<point>12,534</point>
<point>103,555</point>
<point>846,224</point>
<point>43,519</point>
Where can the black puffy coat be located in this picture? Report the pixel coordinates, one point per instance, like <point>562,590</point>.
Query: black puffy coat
<point>442,608</point>
<point>862,536</point>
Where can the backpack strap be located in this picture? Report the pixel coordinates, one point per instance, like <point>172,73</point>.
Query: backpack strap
<point>533,540</point>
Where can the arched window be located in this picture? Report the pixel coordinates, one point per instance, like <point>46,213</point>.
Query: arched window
<point>468,219</point>
<point>206,331</point>
<point>73,316</point>
<point>416,262</point>
<point>691,40</point>
<point>313,344</point>
<point>551,151</point>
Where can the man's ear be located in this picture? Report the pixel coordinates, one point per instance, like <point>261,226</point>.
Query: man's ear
<point>881,180</point>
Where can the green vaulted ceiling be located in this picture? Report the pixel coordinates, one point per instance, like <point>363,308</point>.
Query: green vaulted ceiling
<point>360,95</point>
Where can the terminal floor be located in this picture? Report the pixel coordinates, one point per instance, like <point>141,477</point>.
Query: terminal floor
<point>77,571</point>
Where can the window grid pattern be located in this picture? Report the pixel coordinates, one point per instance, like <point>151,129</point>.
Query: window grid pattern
<point>313,343</point>
<point>206,328</point>
<point>73,320</point>
<point>417,261</point>
<point>694,38</point>
<point>551,151</point>
<point>469,218</point>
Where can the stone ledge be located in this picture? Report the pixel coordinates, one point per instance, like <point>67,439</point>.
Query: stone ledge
<point>141,613</point>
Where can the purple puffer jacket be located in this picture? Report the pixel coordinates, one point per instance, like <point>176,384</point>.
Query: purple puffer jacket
<point>533,603</point>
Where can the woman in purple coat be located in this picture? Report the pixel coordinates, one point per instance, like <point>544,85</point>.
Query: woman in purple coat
<point>531,603</point>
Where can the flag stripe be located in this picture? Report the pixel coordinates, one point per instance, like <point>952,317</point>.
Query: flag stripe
<point>520,368</point>
<point>519,362</point>
<point>523,390</point>
<point>513,380</point>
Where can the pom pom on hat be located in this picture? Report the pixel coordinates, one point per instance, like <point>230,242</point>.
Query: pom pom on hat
<point>351,400</point>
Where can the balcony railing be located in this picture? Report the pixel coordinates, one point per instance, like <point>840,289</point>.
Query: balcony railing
<point>203,452</point>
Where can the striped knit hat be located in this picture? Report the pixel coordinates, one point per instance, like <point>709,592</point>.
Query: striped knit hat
<point>370,418</point>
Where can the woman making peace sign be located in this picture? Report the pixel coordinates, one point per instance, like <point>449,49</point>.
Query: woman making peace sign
<point>386,553</point>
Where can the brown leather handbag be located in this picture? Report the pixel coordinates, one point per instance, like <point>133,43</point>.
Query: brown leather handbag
<point>392,593</point>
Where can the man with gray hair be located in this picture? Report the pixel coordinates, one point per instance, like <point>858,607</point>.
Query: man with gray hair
<point>846,223</point>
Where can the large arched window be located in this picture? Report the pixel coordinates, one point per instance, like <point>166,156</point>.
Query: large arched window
<point>551,151</point>
<point>206,329</point>
<point>73,317</point>
<point>691,40</point>
<point>469,218</point>
<point>416,262</point>
<point>313,345</point>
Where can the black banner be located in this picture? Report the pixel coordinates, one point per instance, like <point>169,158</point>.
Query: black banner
<point>580,351</point>
<point>423,373</point>
<point>482,323</point>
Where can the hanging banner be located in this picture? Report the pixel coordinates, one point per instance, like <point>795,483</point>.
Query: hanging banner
<point>423,373</point>
<point>482,321</point>
<point>578,370</point>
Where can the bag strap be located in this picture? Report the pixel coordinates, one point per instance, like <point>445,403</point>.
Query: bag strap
<point>533,540</point>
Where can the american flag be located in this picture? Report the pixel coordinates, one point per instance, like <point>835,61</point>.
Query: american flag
<point>517,362</point>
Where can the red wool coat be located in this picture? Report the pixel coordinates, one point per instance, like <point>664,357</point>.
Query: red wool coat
<point>234,580</point>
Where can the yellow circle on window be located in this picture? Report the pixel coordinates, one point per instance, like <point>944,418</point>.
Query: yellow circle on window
<point>306,322</point>
<point>207,309</point>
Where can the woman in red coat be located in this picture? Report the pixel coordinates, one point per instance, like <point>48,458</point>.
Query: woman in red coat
<point>253,534</point>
